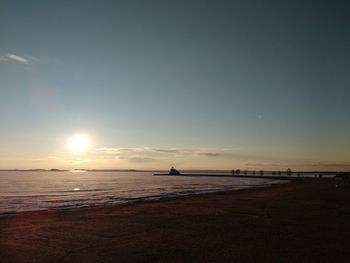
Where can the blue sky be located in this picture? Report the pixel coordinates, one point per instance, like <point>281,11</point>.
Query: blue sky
<point>212,84</point>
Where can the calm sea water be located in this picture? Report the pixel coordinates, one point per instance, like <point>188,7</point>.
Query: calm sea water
<point>30,191</point>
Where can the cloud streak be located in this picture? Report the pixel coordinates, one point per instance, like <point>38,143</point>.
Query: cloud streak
<point>210,154</point>
<point>163,150</point>
<point>15,57</point>
<point>18,58</point>
<point>141,150</point>
<point>157,152</point>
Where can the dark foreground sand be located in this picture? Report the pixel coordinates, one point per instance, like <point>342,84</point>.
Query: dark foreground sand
<point>307,220</point>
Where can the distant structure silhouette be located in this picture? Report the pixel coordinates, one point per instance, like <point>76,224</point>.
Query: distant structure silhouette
<point>289,172</point>
<point>173,171</point>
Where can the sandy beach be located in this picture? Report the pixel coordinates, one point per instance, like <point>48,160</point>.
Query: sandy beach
<point>306,220</point>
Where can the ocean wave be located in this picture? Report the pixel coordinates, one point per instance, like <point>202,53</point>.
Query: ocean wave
<point>46,193</point>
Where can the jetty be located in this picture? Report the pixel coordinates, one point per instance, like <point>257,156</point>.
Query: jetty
<point>286,175</point>
<point>231,176</point>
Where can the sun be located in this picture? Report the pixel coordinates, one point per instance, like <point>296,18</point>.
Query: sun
<point>79,143</point>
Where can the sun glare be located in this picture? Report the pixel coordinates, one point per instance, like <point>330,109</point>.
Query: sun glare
<point>79,143</point>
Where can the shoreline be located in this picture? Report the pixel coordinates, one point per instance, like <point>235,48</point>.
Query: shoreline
<point>147,198</point>
<point>305,220</point>
<point>143,200</point>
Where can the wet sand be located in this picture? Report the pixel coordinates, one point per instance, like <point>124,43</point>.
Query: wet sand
<point>306,220</point>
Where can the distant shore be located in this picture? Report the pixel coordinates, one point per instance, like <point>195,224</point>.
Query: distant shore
<point>243,172</point>
<point>306,220</point>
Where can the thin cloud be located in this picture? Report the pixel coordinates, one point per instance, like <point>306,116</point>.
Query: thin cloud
<point>137,159</point>
<point>165,150</point>
<point>210,154</point>
<point>17,58</point>
<point>157,152</point>
<point>117,151</point>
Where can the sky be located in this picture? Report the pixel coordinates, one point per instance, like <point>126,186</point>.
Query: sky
<point>195,84</point>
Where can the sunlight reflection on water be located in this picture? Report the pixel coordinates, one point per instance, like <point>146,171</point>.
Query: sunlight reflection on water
<point>26,191</point>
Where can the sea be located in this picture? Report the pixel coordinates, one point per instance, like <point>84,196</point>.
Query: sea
<point>48,190</point>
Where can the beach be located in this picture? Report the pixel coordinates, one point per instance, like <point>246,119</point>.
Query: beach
<point>306,220</point>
